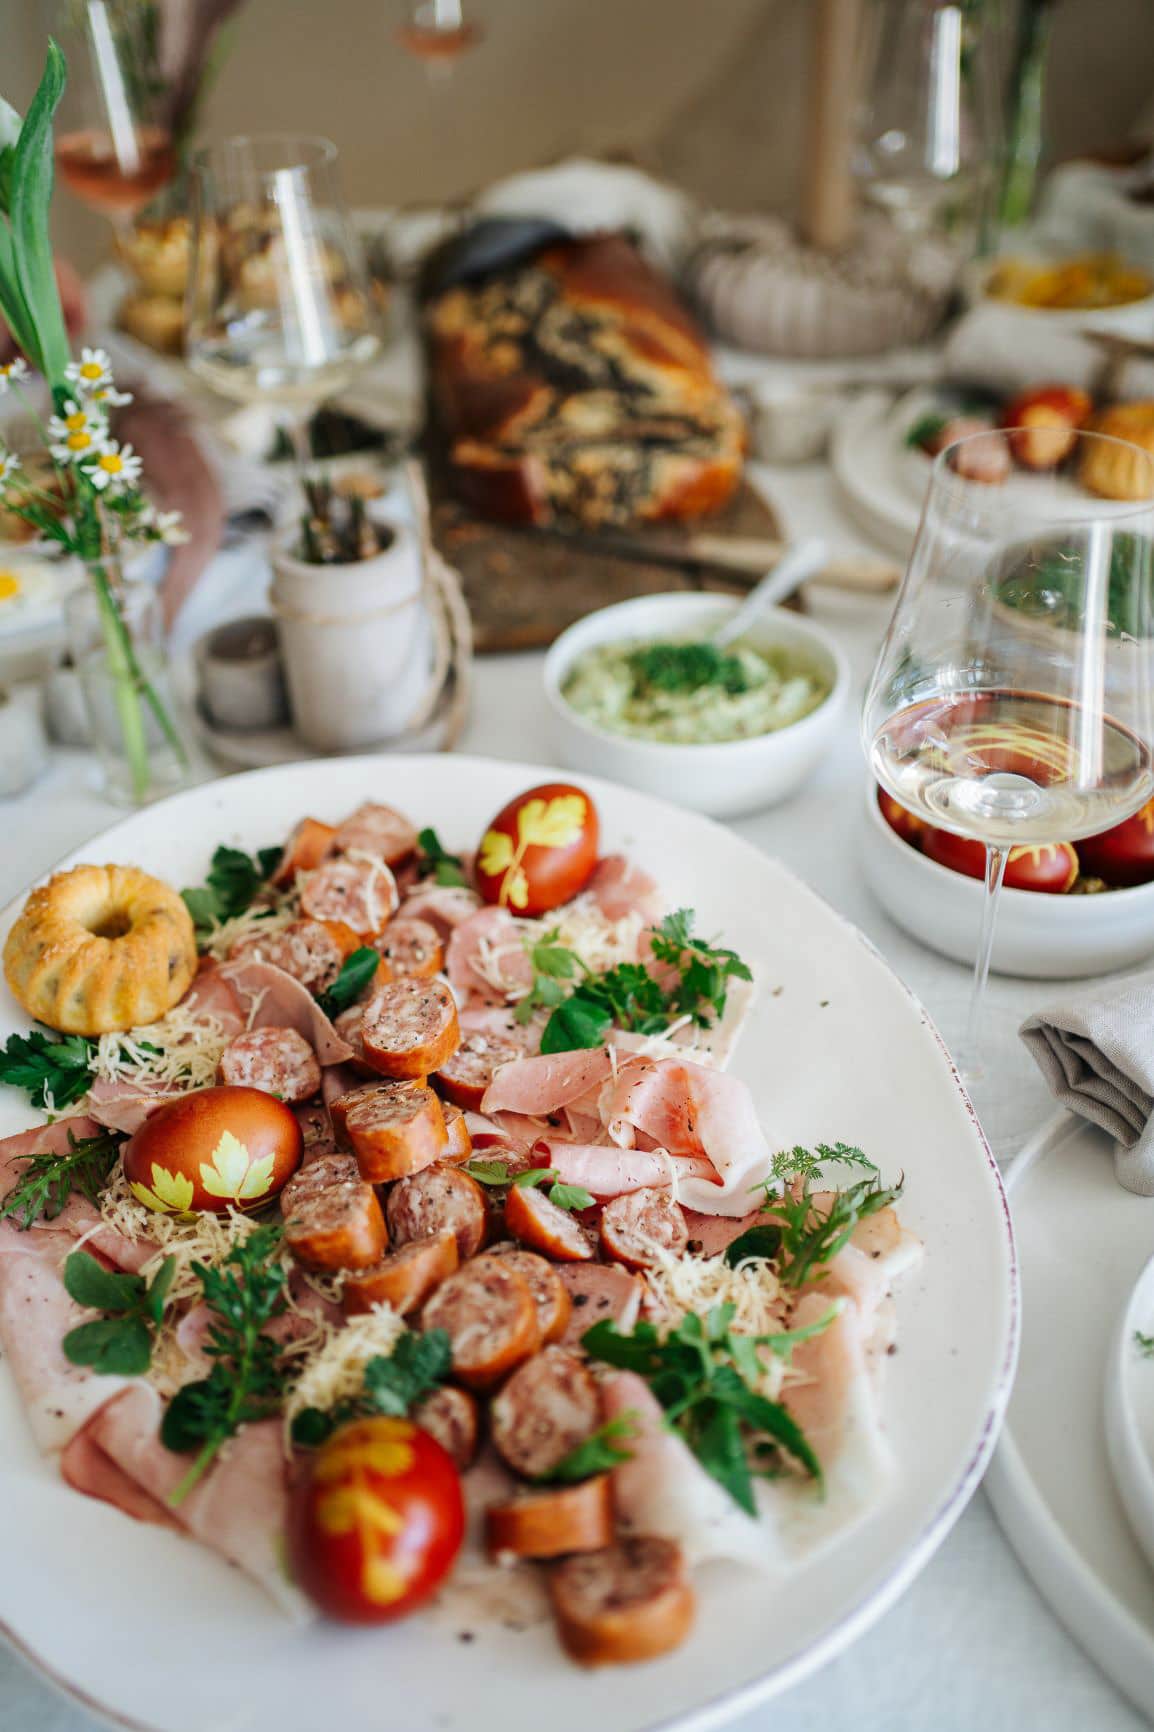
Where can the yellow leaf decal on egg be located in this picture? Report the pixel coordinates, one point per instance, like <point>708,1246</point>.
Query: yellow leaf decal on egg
<point>551,823</point>
<point>170,1193</point>
<point>233,1173</point>
<point>496,852</point>
<point>515,889</point>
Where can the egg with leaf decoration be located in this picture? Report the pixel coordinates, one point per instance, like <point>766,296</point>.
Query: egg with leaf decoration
<point>540,849</point>
<point>222,1148</point>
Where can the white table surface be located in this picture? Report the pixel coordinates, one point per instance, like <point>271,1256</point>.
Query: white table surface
<point>971,1645</point>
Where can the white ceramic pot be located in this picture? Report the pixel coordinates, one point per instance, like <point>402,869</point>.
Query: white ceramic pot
<point>723,780</point>
<point>1042,937</point>
<point>355,641</point>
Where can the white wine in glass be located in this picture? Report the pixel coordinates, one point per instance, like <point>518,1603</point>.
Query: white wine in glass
<point>1013,698</point>
<point>279,307</point>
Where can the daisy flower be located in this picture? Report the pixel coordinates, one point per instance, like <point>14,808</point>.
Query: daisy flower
<point>11,373</point>
<point>167,526</point>
<point>92,372</point>
<point>78,433</point>
<point>9,466</point>
<point>110,398</point>
<point>116,467</point>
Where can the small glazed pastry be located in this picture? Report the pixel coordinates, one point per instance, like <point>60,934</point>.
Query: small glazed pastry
<point>1113,471</point>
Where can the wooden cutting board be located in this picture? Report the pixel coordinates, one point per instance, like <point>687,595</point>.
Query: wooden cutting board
<point>524,589</point>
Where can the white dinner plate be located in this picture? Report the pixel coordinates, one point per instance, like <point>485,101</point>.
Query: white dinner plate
<point>161,1634</point>
<point>1130,1408</point>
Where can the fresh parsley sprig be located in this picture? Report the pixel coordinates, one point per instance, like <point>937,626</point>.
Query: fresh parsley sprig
<point>702,1373</point>
<point>48,1180</point>
<point>232,884</point>
<point>248,1378</point>
<point>811,1236</point>
<point>552,964</point>
<point>54,1070</point>
<point>498,1174</point>
<point>436,861</point>
<point>598,1453</point>
<point>357,970</point>
<point>686,667</point>
<point>120,1341</point>
<point>1144,1344</point>
<point>394,1385</point>
<point>705,970</point>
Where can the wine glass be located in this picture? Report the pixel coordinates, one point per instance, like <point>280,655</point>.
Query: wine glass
<point>1012,698</point>
<point>279,309</point>
<point>111,149</point>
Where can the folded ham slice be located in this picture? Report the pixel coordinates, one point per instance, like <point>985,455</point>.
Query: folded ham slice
<point>444,906</point>
<point>239,1509</point>
<point>620,887</point>
<point>273,999</point>
<point>610,1172</point>
<point>486,961</point>
<point>543,1084</point>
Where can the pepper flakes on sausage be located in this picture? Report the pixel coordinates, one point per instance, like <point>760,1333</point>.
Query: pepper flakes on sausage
<point>410,1028</point>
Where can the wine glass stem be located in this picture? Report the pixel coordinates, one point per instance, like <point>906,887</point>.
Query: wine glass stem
<point>996,858</point>
<point>296,428</point>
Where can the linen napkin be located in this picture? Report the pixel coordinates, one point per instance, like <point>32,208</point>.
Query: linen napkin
<point>1096,1052</point>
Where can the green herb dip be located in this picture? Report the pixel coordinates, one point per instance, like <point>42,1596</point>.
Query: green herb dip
<point>690,694</point>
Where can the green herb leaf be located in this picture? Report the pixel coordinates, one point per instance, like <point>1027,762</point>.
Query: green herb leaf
<point>1144,1344</point>
<point>812,1236</point>
<point>391,1385</point>
<point>33,294</point>
<point>232,883</point>
<point>564,1196</point>
<point>356,972</point>
<point>925,429</point>
<point>115,1346</point>
<point>599,1452</point>
<point>488,1172</point>
<point>54,1071</point>
<point>686,667</point>
<point>576,1024</point>
<point>121,1341</point>
<point>49,1180</point>
<point>437,862</point>
<point>98,1288</point>
<point>553,964</point>
<point>762,1241</point>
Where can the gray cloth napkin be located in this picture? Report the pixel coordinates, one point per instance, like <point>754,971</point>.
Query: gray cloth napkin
<point>1097,1054</point>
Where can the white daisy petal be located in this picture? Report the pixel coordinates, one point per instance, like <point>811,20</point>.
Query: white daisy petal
<point>12,372</point>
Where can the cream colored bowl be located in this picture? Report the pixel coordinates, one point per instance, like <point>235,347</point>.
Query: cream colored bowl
<point>723,780</point>
<point>1041,936</point>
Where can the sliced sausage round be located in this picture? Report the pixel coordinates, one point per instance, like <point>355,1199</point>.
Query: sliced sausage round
<point>393,1129</point>
<point>404,1279</point>
<point>306,949</point>
<point>554,1306</point>
<point>450,1415</point>
<point>376,830</point>
<point>278,1060</point>
<point>490,1317</point>
<point>540,1224</point>
<point>460,1144</point>
<point>360,894</point>
<point>544,1411</point>
<point>410,1028</point>
<point>310,843</point>
<point>410,950</point>
<point>439,1198</point>
<point>332,1217</point>
<point>638,1226</point>
<point>599,1293</point>
<point>631,1601</point>
<point>552,1522</point>
<point>464,1078</point>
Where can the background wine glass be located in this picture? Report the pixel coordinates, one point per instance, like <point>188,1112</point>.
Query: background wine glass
<point>279,309</point>
<point>1012,698</point>
<point>111,150</point>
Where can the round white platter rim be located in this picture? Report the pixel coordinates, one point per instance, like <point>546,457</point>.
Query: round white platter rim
<point>878,1595</point>
<point>1130,1458</point>
<point>1089,1608</point>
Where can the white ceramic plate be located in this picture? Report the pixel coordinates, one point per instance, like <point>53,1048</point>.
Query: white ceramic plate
<point>1082,1241</point>
<point>864,456</point>
<point>1130,1408</point>
<point>163,1635</point>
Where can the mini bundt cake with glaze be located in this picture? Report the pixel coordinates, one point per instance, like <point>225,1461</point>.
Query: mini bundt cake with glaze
<point>99,949</point>
<point>1117,471</point>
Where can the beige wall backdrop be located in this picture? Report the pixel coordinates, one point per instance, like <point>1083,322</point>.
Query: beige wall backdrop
<point>711,92</point>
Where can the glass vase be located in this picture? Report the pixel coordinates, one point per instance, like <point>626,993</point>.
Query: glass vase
<point>136,727</point>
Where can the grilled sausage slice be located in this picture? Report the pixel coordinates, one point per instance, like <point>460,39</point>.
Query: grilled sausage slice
<point>278,1060</point>
<point>552,1522</point>
<point>377,830</point>
<point>393,1129</point>
<point>459,1146</point>
<point>631,1601</point>
<point>554,1305</point>
<point>404,1279</point>
<point>360,894</point>
<point>410,1028</point>
<point>490,1317</point>
<point>410,950</point>
<point>541,1225</point>
<point>439,1198</point>
<point>332,1217</point>
<point>465,1076</point>
<point>310,843</point>
<point>450,1415</point>
<point>306,949</point>
<point>639,1224</point>
<point>548,1406</point>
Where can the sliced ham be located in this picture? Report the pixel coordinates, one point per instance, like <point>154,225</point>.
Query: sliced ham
<point>213,994</point>
<point>78,1217</point>
<point>273,999</point>
<point>544,1084</point>
<point>611,1172</point>
<point>620,887</point>
<point>836,1404</point>
<point>487,962</point>
<point>444,906</point>
<point>600,1293</point>
<point>238,1509</point>
<point>691,1110</point>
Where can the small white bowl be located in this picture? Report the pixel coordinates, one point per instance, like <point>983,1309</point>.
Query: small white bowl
<point>1040,936</point>
<point>724,780</point>
<point>1129,318</point>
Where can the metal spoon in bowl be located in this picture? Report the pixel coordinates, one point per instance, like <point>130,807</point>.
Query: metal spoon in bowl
<point>799,563</point>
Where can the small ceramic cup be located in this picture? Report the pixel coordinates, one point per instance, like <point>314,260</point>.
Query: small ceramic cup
<point>240,674</point>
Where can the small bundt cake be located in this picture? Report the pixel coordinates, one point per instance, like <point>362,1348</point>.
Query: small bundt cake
<point>1116,471</point>
<point>100,948</point>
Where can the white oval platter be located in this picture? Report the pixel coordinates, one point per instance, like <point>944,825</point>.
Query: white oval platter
<point>153,1632</point>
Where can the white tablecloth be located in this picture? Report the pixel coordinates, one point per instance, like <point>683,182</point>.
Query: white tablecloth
<point>971,1646</point>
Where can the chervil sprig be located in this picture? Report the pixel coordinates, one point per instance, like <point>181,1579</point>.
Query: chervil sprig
<point>48,1180</point>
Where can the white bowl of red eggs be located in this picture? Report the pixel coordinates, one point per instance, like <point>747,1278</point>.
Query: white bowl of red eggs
<point>1066,909</point>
